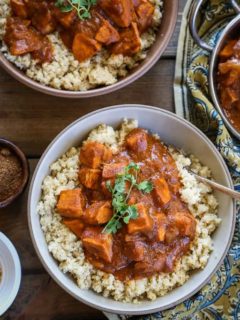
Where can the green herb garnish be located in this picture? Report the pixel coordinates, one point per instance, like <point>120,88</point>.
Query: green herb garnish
<point>81,6</point>
<point>122,212</point>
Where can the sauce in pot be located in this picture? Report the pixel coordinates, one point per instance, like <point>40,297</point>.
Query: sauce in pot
<point>229,81</point>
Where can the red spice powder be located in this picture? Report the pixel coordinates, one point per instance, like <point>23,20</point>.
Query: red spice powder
<point>11,173</point>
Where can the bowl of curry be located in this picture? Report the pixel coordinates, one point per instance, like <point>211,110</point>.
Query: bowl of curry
<point>117,219</point>
<point>83,48</point>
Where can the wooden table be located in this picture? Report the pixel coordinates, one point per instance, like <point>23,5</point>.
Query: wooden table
<point>32,120</point>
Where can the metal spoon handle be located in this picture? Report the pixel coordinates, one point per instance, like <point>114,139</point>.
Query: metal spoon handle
<point>232,193</point>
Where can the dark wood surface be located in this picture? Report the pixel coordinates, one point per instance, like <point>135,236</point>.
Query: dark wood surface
<point>32,120</point>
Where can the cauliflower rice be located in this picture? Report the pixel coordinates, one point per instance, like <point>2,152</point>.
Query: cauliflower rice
<point>65,72</point>
<point>67,249</point>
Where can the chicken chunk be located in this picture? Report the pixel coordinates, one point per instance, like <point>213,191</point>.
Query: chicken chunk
<point>45,53</point>
<point>228,51</point>
<point>89,27</point>
<point>120,11</point>
<point>172,234</point>
<point>97,28</point>
<point>144,12</point>
<point>161,226</point>
<point>43,20</point>
<point>21,38</point>
<point>129,43</point>
<point>66,19</point>
<point>161,190</point>
<point>107,34</point>
<point>99,212</point>
<point>185,223</point>
<point>71,203</point>
<point>134,249</point>
<point>84,48</point>
<point>136,140</point>
<point>75,225</point>
<point>97,243</point>
<point>90,178</point>
<point>19,8</point>
<point>93,154</point>
<point>112,169</point>
<point>105,189</point>
<point>230,96</point>
<point>143,223</point>
<point>228,66</point>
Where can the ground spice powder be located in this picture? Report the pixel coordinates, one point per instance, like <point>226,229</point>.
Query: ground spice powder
<point>11,173</point>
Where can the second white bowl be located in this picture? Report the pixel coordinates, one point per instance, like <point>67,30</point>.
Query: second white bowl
<point>11,273</point>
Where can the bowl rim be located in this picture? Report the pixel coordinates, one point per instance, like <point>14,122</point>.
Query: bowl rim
<point>24,162</point>
<point>18,275</point>
<point>213,65</point>
<point>51,273</point>
<point>147,63</point>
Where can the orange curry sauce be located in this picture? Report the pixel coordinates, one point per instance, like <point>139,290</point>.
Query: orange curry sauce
<point>229,81</point>
<point>164,228</point>
<point>113,24</point>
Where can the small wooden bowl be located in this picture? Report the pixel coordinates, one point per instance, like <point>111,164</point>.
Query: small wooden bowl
<point>21,156</point>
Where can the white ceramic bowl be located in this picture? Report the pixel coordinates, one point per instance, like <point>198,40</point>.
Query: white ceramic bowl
<point>11,273</point>
<point>173,130</point>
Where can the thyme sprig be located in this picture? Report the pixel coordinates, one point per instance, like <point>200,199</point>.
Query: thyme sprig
<point>82,7</point>
<point>122,212</point>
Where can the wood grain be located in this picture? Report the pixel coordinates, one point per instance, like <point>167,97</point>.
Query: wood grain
<point>32,120</point>
<point>35,119</point>
<point>40,298</point>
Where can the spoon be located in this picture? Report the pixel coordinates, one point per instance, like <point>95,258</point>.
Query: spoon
<point>232,193</point>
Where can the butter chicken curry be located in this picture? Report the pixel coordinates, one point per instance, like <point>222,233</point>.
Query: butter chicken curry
<point>229,81</point>
<point>115,25</point>
<point>128,212</point>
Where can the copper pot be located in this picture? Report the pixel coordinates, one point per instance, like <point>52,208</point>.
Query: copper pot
<point>230,30</point>
<point>170,10</point>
